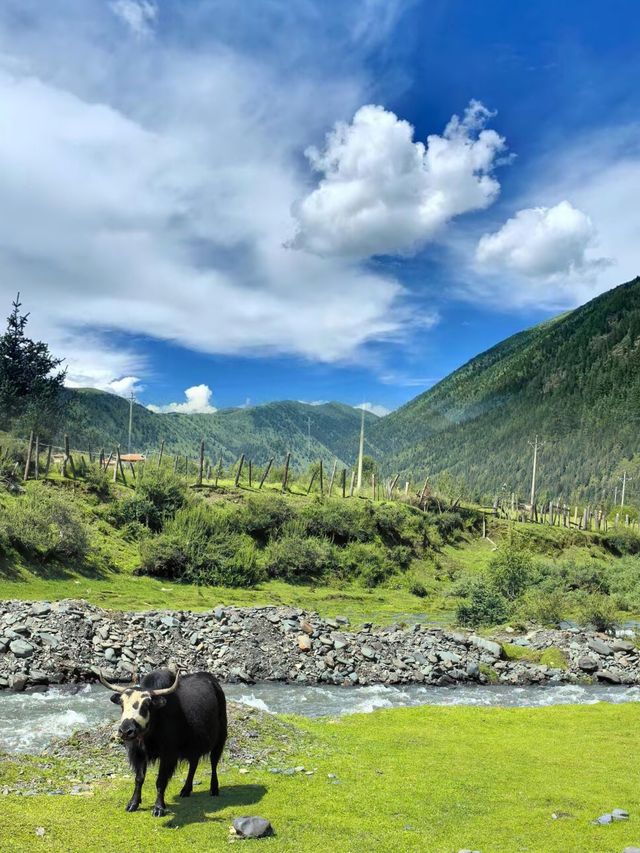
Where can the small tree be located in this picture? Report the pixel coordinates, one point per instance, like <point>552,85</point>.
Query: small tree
<point>30,383</point>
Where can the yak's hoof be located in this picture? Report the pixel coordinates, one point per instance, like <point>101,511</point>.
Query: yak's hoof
<point>158,811</point>
<point>186,792</point>
<point>132,806</point>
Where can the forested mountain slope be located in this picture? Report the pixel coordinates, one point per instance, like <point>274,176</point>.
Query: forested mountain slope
<point>574,380</point>
<point>96,419</point>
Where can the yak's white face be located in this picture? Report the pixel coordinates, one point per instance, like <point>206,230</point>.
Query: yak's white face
<point>136,707</point>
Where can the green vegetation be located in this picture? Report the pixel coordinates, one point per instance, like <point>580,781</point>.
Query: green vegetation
<point>573,380</point>
<point>406,779</point>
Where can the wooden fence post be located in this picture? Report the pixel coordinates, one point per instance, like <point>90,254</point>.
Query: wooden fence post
<point>311,481</point>
<point>321,480</point>
<point>344,482</point>
<point>250,472</point>
<point>286,472</point>
<point>201,462</point>
<point>46,470</point>
<point>27,465</point>
<point>160,454</point>
<point>265,473</point>
<point>333,474</point>
<point>65,459</point>
<point>353,482</point>
<point>115,467</point>
<point>218,472</point>
<point>36,459</point>
<point>239,471</point>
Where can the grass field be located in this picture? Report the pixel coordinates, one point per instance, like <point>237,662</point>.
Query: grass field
<point>421,779</point>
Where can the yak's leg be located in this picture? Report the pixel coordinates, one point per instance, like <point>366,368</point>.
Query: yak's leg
<point>140,773</point>
<point>165,772</point>
<point>187,788</point>
<point>216,752</point>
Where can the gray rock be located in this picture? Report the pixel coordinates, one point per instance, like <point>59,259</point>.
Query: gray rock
<point>604,819</point>
<point>21,648</point>
<point>50,640</point>
<point>40,608</point>
<point>608,677</point>
<point>170,621</point>
<point>19,682</point>
<point>600,647</point>
<point>4,645</point>
<point>620,814</point>
<point>368,653</point>
<point>473,669</point>
<point>587,664</point>
<point>252,827</point>
<point>489,646</point>
<point>623,646</point>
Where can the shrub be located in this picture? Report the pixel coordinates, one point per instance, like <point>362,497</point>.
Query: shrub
<point>598,611</point>
<point>449,524</point>
<point>418,589</point>
<point>158,496</point>
<point>367,562</point>
<point>298,559</point>
<point>544,608</point>
<point>485,606</point>
<point>44,523</point>
<point>621,542</point>
<point>265,515</point>
<point>339,521</point>
<point>398,524</point>
<point>588,577</point>
<point>96,482</point>
<point>510,572</point>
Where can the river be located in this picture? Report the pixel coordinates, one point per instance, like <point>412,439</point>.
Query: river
<point>30,721</point>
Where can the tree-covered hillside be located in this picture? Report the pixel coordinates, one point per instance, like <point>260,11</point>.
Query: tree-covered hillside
<point>98,420</point>
<point>574,380</point>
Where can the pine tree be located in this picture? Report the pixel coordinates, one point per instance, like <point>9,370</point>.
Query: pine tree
<point>30,382</point>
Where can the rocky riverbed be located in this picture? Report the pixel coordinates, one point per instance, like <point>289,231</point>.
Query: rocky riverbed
<point>45,643</point>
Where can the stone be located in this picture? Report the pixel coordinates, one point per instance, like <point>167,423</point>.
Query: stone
<point>473,669</point>
<point>623,646</point>
<point>21,649</point>
<point>306,627</point>
<point>19,682</point>
<point>620,814</point>
<point>489,646</point>
<point>170,621</point>
<point>252,827</point>
<point>304,643</point>
<point>218,612</point>
<point>631,850</point>
<point>50,640</point>
<point>40,608</point>
<point>600,647</point>
<point>609,677</point>
<point>368,653</point>
<point>4,645</point>
<point>604,819</point>
<point>587,664</point>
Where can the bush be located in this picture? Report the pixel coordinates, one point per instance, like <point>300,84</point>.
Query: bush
<point>544,608</point>
<point>96,482</point>
<point>621,542</point>
<point>265,515</point>
<point>339,521</point>
<point>485,606</point>
<point>299,559</point>
<point>418,589</point>
<point>511,572</point>
<point>367,562</point>
<point>398,524</point>
<point>158,496</point>
<point>598,611</point>
<point>449,524</point>
<point>45,524</point>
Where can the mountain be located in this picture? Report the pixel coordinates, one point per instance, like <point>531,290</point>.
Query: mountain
<point>97,420</point>
<point>574,381</point>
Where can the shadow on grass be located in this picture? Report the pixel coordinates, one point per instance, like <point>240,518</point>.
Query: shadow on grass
<point>93,567</point>
<point>201,807</point>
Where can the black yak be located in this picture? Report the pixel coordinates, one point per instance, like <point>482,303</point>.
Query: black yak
<point>170,718</point>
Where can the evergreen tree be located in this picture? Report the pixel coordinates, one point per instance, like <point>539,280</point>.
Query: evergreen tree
<point>30,382</point>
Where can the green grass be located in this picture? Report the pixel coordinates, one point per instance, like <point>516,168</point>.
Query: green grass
<point>551,657</point>
<point>423,779</point>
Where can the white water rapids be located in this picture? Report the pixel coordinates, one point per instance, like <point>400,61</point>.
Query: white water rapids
<point>30,721</point>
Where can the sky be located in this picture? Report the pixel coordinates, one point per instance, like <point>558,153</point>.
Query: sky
<point>210,203</point>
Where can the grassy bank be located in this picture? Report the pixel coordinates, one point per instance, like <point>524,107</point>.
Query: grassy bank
<point>424,779</point>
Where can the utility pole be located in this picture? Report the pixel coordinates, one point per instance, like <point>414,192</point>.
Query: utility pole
<point>535,446</point>
<point>361,452</point>
<point>132,400</point>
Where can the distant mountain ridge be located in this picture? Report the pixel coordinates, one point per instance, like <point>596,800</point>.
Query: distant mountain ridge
<point>97,419</point>
<point>573,380</point>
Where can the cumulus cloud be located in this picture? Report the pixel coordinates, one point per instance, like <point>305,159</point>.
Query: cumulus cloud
<point>543,242</point>
<point>139,15</point>
<point>198,402</point>
<point>125,386</point>
<point>156,203</point>
<point>375,409</point>
<point>381,192</point>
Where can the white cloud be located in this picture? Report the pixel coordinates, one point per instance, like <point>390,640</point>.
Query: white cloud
<point>198,402</point>
<point>383,193</point>
<point>374,408</point>
<point>125,386</point>
<point>139,15</point>
<point>543,242</point>
<point>156,203</point>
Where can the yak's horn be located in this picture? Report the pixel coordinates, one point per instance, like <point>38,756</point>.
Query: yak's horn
<point>163,691</point>
<point>118,688</point>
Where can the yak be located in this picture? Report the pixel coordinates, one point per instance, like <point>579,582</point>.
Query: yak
<point>170,718</point>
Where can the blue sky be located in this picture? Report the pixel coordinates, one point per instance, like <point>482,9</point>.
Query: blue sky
<point>269,199</point>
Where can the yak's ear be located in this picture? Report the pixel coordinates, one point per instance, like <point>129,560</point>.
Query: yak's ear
<point>115,698</point>
<point>158,701</point>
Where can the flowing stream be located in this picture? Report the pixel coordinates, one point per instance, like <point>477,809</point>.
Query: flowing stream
<point>30,721</point>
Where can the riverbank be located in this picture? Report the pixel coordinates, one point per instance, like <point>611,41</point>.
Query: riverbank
<point>59,642</point>
<point>437,779</point>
